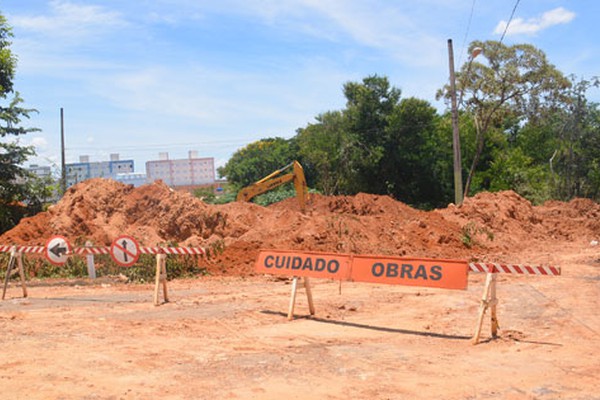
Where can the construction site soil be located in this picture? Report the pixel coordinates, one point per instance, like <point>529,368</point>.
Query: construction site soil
<point>489,227</point>
<point>225,335</point>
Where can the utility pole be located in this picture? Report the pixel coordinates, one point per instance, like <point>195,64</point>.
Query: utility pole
<point>63,170</point>
<point>458,189</point>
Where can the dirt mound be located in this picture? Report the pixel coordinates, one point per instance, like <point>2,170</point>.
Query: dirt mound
<point>491,226</point>
<point>102,209</point>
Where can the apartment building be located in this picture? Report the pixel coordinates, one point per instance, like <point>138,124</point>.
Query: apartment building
<point>84,169</point>
<point>191,171</point>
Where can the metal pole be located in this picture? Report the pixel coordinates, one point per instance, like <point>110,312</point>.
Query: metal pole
<point>63,173</point>
<point>458,190</point>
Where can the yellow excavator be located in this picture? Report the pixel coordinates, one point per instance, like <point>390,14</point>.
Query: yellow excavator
<point>274,180</point>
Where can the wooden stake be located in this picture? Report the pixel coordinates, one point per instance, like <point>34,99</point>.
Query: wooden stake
<point>494,302</point>
<point>307,288</point>
<point>293,298</point>
<point>18,257</point>
<point>311,305</point>
<point>11,263</point>
<point>488,299</point>
<point>22,273</point>
<point>161,278</point>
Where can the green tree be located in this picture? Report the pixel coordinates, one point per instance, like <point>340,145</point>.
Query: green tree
<point>413,148</point>
<point>324,147</point>
<point>369,107</point>
<point>258,159</point>
<point>17,194</point>
<point>516,83</point>
<point>576,143</point>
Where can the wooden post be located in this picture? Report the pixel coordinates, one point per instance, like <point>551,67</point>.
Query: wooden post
<point>494,302</point>
<point>488,299</point>
<point>458,189</point>
<point>9,268</point>
<point>293,298</point>
<point>307,288</point>
<point>91,266</point>
<point>311,306</point>
<point>161,278</point>
<point>17,257</point>
<point>21,273</point>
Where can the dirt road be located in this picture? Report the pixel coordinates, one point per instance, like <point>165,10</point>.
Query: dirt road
<point>228,338</point>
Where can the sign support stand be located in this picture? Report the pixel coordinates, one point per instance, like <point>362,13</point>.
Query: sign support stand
<point>161,278</point>
<point>307,288</point>
<point>488,300</point>
<point>18,257</point>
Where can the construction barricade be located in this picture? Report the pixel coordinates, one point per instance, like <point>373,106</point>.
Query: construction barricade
<point>425,272</point>
<point>124,251</point>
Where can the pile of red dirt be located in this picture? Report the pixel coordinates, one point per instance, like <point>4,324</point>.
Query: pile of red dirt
<point>489,226</point>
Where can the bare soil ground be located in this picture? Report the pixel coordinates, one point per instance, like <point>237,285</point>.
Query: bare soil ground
<point>226,336</point>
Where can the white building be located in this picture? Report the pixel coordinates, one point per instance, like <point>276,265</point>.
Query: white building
<point>40,171</point>
<point>132,178</point>
<point>189,171</point>
<point>84,169</point>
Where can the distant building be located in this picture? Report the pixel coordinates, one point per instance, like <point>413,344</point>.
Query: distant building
<point>41,171</point>
<point>132,178</point>
<point>84,169</point>
<point>191,171</point>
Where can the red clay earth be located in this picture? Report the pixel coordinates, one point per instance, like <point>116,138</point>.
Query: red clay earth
<point>225,336</point>
<point>488,227</point>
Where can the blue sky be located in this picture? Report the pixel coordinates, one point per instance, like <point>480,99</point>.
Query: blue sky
<point>140,77</point>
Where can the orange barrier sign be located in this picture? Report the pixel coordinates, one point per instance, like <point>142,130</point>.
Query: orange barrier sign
<point>448,274</point>
<point>309,264</point>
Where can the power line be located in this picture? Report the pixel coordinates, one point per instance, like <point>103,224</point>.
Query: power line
<point>467,31</point>
<point>159,146</point>
<point>510,20</point>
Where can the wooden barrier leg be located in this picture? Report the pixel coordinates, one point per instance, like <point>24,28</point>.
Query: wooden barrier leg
<point>161,278</point>
<point>483,306</point>
<point>311,305</point>
<point>164,278</point>
<point>22,273</point>
<point>293,298</point>
<point>11,263</point>
<point>494,302</point>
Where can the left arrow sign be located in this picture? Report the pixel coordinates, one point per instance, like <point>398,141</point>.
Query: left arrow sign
<point>57,250</point>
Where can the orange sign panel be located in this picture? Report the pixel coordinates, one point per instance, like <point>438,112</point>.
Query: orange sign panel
<point>309,264</point>
<point>447,274</point>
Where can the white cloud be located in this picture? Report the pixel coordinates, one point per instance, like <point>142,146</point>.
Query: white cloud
<point>39,143</point>
<point>531,26</point>
<point>387,28</point>
<point>69,20</point>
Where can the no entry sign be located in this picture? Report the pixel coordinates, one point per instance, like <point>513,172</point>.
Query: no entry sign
<point>125,251</point>
<point>57,250</point>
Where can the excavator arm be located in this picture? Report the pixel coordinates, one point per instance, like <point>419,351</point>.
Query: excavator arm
<point>274,180</point>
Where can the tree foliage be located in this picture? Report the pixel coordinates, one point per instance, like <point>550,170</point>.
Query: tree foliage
<point>378,144</point>
<point>18,196</point>
<point>325,149</point>
<point>257,160</point>
<point>515,84</point>
<point>524,126</point>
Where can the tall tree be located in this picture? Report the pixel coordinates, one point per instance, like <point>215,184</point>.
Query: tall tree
<point>412,154</point>
<point>369,107</point>
<point>577,143</point>
<point>325,148</point>
<point>16,197</point>
<point>514,82</point>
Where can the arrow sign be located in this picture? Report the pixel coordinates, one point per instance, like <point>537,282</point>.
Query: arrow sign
<point>57,250</point>
<point>125,251</point>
